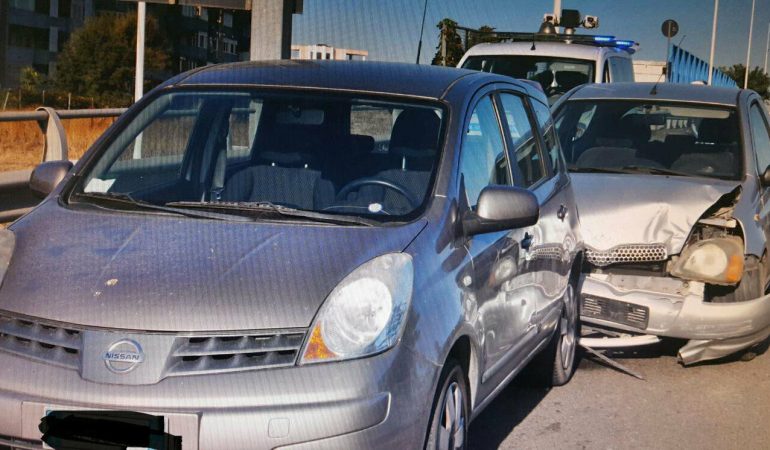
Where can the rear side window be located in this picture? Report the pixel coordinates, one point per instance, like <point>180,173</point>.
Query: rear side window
<point>523,141</point>
<point>760,136</point>
<point>547,129</point>
<point>622,70</point>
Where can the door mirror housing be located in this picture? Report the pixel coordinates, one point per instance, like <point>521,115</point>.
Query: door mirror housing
<point>46,176</point>
<point>501,208</point>
<point>764,179</point>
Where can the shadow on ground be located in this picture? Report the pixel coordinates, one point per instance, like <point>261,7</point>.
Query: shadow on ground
<point>507,411</point>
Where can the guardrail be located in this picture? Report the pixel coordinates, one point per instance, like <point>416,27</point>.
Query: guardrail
<point>49,120</point>
<point>15,197</point>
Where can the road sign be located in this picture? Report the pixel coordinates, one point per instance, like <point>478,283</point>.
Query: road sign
<point>670,28</point>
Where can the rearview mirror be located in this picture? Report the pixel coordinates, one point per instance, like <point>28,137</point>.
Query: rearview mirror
<point>501,208</point>
<point>47,176</point>
<point>764,179</point>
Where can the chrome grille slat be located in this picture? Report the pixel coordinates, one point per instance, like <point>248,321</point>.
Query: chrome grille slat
<point>40,333</point>
<point>245,344</point>
<point>40,341</point>
<point>631,253</point>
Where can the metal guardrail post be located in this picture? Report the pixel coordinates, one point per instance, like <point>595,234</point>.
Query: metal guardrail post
<point>55,137</point>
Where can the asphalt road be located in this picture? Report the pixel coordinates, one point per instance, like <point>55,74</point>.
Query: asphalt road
<point>710,406</point>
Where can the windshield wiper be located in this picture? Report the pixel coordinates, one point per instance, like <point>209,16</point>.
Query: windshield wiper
<point>655,171</point>
<point>581,169</point>
<point>128,200</point>
<point>263,207</point>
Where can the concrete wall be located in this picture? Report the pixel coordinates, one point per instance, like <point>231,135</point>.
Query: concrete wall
<point>648,71</point>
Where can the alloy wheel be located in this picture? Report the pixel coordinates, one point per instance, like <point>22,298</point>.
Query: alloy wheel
<point>569,324</point>
<point>451,432</point>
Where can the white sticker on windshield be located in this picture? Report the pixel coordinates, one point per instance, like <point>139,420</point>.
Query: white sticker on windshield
<point>375,208</point>
<point>98,185</point>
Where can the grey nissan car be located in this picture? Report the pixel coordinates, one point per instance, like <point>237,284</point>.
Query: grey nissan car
<point>293,255</point>
<point>673,183</point>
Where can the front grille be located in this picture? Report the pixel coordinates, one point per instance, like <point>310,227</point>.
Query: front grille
<point>552,252</point>
<point>632,253</point>
<point>192,354</point>
<point>616,311</point>
<point>41,341</point>
<point>217,353</point>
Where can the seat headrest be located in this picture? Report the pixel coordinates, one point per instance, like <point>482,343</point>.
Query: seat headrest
<point>361,144</point>
<point>569,79</point>
<point>416,129</point>
<point>717,131</point>
<point>545,79</point>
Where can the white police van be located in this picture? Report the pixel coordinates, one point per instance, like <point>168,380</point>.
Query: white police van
<point>558,62</point>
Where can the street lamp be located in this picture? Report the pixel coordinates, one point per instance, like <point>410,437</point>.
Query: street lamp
<point>767,46</point>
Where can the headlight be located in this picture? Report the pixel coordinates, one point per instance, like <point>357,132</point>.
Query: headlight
<point>365,313</point>
<point>717,261</point>
<point>7,244</point>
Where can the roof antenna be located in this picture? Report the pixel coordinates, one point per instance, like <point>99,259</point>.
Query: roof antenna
<point>654,90</point>
<point>533,48</point>
<point>422,28</point>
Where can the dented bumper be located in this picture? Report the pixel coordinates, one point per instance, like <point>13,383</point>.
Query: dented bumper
<point>670,307</point>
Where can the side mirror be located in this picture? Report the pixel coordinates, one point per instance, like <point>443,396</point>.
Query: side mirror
<point>501,208</point>
<point>764,179</point>
<point>47,176</point>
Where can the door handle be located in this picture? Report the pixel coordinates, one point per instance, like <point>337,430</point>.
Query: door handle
<point>562,212</point>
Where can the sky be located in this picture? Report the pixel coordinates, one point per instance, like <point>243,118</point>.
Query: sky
<point>390,29</point>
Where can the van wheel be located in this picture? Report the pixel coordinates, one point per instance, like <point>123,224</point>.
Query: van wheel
<point>449,416</point>
<point>555,365</point>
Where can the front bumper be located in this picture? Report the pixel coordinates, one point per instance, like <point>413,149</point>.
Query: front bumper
<point>377,402</point>
<point>675,308</point>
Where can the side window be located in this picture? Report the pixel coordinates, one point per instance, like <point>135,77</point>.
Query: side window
<point>482,156</point>
<point>622,69</point>
<point>243,123</point>
<point>524,148</point>
<point>547,129</point>
<point>606,75</point>
<point>760,136</point>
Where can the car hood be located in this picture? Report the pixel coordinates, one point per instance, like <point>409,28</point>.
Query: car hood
<point>151,272</point>
<point>618,209</point>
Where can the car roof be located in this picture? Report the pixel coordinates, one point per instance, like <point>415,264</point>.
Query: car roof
<point>562,49</point>
<point>664,92</point>
<point>360,76</point>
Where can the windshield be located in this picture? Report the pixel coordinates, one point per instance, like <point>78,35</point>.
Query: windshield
<point>236,151</point>
<point>663,138</point>
<point>555,75</point>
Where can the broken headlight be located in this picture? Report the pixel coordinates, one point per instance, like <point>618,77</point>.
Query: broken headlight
<point>715,261</point>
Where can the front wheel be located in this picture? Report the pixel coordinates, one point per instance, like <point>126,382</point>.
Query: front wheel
<point>555,365</point>
<point>449,417</point>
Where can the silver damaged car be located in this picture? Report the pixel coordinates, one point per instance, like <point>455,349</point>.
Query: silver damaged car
<point>295,255</point>
<point>673,185</point>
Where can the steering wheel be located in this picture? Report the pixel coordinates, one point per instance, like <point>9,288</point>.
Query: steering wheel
<point>361,182</point>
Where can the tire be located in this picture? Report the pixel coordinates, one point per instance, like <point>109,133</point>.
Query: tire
<point>448,425</point>
<point>556,364</point>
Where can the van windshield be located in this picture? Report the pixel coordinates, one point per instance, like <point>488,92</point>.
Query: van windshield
<point>226,149</point>
<point>556,75</point>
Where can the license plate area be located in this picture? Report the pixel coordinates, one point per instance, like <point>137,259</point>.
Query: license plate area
<point>184,426</point>
<point>616,311</point>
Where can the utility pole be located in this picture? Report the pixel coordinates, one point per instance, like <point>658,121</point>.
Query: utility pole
<point>767,46</point>
<point>748,52</point>
<point>713,41</point>
<point>141,11</point>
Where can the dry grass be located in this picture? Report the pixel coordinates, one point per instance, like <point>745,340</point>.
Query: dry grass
<point>22,143</point>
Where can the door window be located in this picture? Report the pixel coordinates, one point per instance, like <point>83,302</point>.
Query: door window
<point>545,123</point>
<point>482,157</point>
<point>524,148</point>
<point>760,137</point>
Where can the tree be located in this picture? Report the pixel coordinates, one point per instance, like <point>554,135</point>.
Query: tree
<point>758,80</point>
<point>485,33</point>
<point>32,80</point>
<point>454,44</point>
<point>99,58</point>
